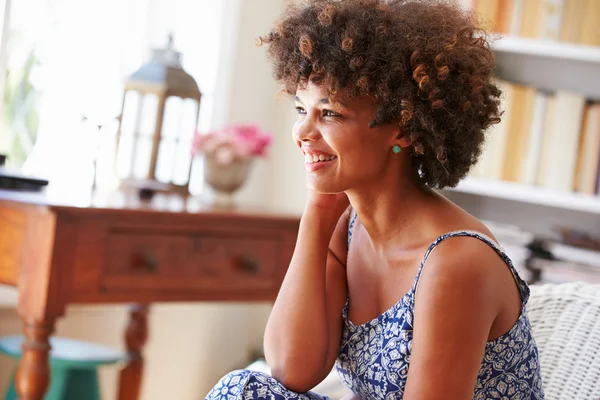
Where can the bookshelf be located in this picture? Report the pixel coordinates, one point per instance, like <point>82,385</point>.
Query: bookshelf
<point>549,65</point>
<point>539,171</point>
<point>552,66</point>
<point>530,194</point>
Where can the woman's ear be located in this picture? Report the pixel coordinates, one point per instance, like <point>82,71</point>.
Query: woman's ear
<point>400,138</point>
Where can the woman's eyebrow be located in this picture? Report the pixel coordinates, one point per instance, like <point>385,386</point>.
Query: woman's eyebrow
<point>324,100</point>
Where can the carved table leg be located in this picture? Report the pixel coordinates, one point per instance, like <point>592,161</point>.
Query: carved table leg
<point>136,335</point>
<point>33,374</point>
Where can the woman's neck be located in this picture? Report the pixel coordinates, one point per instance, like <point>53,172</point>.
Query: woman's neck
<point>393,215</point>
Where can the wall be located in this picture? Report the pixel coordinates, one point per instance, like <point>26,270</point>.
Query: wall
<point>191,345</point>
<point>253,95</point>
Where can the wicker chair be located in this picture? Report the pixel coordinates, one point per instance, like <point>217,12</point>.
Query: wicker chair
<point>566,325</point>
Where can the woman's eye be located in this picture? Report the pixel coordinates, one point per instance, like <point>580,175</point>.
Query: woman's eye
<point>329,113</point>
<point>300,110</point>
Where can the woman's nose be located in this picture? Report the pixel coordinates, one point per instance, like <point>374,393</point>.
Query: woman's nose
<point>306,131</point>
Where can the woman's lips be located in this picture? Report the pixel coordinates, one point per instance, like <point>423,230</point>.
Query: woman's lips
<point>316,161</point>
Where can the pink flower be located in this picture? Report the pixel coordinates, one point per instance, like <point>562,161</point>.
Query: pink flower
<point>262,143</point>
<point>235,142</point>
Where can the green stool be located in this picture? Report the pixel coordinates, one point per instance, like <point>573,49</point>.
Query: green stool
<point>73,366</point>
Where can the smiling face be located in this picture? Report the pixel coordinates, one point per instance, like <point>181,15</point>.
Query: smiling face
<point>340,150</point>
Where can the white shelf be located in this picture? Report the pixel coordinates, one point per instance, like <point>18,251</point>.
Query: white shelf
<point>549,65</point>
<point>529,194</point>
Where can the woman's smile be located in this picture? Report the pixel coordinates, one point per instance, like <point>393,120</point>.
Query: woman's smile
<point>315,160</point>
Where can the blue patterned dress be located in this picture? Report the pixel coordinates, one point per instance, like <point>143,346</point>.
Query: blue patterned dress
<point>374,357</point>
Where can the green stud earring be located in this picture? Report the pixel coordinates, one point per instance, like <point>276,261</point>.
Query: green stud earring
<point>396,149</point>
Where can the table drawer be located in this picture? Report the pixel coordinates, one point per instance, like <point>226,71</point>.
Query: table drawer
<point>206,261</point>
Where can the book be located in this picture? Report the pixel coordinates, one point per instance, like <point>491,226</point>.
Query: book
<point>487,11</point>
<point>572,254</point>
<point>514,241</point>
<point>541,19</point>
<point>597,191</point>
<point>544,153</point>
<point>589,150</point>
<point>530,164</point>
<point>509,233</point>
<point>558,272</point>
<point>589,26</point>
<point>492,159</point>
<point>561,142</point>
<point>573,13</point>
<point>519,130</point>
<point>507,12</point>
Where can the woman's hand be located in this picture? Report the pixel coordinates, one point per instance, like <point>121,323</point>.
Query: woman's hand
<point>328,205</point>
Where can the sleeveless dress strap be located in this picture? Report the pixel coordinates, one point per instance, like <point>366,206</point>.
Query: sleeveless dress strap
<point>351,222</point>
<point>522,285</point>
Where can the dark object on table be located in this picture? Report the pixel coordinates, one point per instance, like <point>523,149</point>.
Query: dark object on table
<point>13,180</point>
<point>2,159</point>
<point>146,193</point>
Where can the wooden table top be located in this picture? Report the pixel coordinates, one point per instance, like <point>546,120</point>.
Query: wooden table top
<point>128,202</point>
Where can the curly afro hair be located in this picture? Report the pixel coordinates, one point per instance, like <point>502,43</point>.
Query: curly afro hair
<point>426,63</point>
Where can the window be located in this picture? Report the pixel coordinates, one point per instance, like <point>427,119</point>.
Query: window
<point>71,60</point>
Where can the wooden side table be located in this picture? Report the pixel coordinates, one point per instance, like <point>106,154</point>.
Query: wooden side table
<point>119,249</point>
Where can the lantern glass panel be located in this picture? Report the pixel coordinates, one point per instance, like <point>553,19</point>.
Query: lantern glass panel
<point>141,157</point>
<point>181,168</point>
<point>137,132</point>
<point>172,118</point>
<point>189,117</point>
<point>166,157</point>
<point>124,156</point>
<point>189,120</point>
<point>130,112</point>
<point>174,152</point>
<point>148,115</point>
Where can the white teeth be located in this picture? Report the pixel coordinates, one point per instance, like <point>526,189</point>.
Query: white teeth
<point>308,158</point>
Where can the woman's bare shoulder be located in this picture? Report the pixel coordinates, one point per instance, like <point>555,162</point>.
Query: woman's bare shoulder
<point>471,263</point>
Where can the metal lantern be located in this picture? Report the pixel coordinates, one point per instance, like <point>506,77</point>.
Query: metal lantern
<point>160,111</point>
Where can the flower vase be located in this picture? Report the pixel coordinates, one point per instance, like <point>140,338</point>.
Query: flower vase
<point>225,178</point>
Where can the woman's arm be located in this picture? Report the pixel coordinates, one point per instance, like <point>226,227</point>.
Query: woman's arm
<point>303,332</point>
<point>456,303</point>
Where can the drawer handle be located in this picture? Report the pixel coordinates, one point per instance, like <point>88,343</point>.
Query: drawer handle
<point>145,261</point>
<point>247,265</point>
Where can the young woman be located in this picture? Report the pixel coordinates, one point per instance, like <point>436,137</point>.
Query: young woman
<point>408,294</point>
